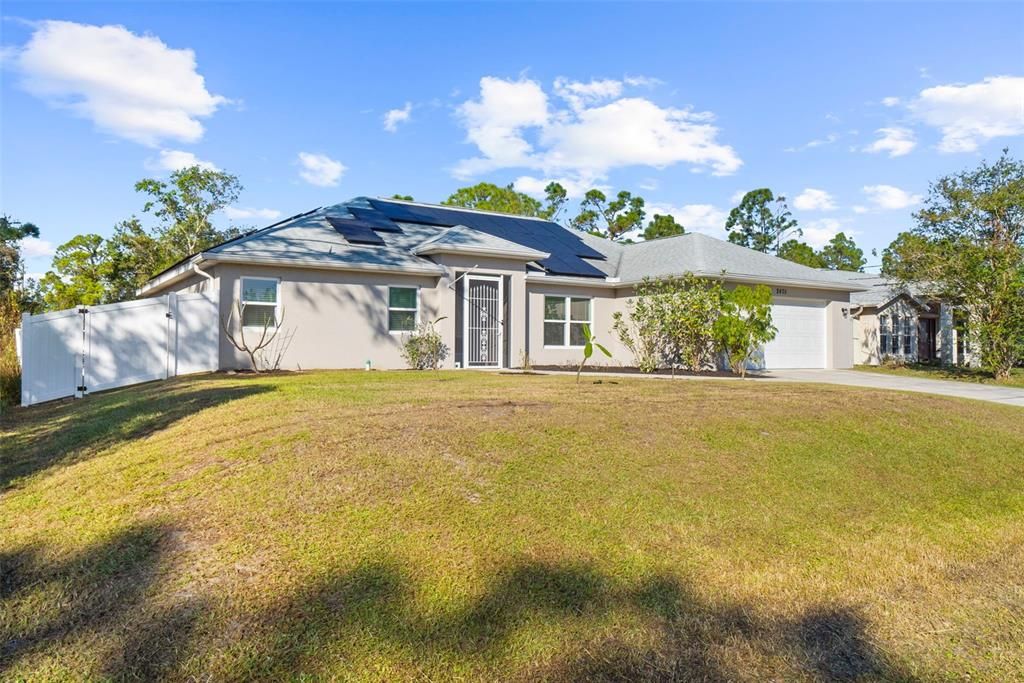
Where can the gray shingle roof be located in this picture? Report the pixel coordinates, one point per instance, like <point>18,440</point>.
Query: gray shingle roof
<point>462,239</point>
<point>704,255</point>
<point>310,240</point>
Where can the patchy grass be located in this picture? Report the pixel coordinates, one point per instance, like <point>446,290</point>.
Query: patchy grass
<point>382,526</point>
<point>1016,378</point>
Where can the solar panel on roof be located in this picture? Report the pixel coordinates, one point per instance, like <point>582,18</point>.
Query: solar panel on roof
<point>355,231</point>
<point>567,249</point>
<point>374,218</point>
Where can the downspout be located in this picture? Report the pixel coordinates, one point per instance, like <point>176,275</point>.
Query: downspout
<point>200,271</point>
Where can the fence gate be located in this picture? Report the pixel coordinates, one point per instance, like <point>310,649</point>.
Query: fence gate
<point>92,348</point>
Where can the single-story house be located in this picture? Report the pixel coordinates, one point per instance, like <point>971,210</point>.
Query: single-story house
<point>345,283</point>
<point>893,322</point>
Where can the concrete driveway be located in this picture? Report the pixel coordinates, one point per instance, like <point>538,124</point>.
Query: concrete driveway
<point>1013,396</point>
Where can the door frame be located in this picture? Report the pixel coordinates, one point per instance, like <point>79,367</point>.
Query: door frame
<point>501,321</point>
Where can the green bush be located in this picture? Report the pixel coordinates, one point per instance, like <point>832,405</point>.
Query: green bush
<point>10,368</point>
<point>744,324</point>
<point>423,349</point>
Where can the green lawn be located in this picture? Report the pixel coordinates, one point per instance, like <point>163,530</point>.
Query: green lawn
<point>391,526</point>
<point>1016,378</point>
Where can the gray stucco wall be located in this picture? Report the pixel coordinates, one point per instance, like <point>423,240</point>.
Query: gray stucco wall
<point>338,319</point>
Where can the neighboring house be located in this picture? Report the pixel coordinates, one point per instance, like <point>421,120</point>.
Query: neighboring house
<point>906,325</point>
<point>347,282</point>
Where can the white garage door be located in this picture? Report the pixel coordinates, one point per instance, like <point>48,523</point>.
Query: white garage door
<point>800,341</point>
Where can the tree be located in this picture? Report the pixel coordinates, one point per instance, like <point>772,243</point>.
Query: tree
<point>133,256</point>
<point>12,266</point>
<point>744,324</point>
<point>842,253</point>
<point>968,249</point>
<point>79,274</point>
<point>761,221</point>
<point>609,219</point>
<point>663,226</point>
<point>490,197</point>
<point>800,252</point>
<point>403,197</point>
<point>555,197</point>
<point>184,204</point>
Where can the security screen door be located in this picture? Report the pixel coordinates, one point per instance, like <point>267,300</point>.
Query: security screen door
<point>483,322</point>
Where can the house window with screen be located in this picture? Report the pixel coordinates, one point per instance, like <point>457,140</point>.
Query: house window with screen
<point>259,302</point>
<point>908,348</point>
<point>883,333</point>
<point>564,318</point>
<point>895,340</point>
<point>402,304</point>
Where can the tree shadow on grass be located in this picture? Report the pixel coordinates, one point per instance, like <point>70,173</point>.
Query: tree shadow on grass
<point>65,432</point>
<point>694,640</point>
<point>100,593</point>
<point>107,600</point>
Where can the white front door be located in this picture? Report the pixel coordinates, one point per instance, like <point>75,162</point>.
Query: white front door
<point>800,340</point>
<point>482,313</point>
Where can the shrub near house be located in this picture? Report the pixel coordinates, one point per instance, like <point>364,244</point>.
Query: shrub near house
<point>689,321</point>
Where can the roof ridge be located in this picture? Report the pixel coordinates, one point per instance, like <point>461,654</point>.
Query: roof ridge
<point>451,207</point>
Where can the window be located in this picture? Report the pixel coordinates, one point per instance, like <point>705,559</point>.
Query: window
<point>564,318</point>
<point>402,305</point>
<point>259,302</point>
<point>894,347</point>
<point>883,330</point>
<point>908,338</point>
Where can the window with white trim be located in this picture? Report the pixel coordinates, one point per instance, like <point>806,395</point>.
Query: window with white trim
<point>883,329</point>
<point>403,305</point>
<point>908,336</point>
<point>259,302</point>
<point>564,318</point>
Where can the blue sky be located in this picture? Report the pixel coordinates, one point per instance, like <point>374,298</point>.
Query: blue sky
<point>848,109</point>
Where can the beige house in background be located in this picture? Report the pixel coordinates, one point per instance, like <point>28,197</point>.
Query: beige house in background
<point>344,284</point>
<point>892,323</point>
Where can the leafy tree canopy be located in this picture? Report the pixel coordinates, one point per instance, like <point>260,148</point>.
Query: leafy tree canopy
<point>761,221</point>
<point>842,253</point>
<point>12,265</point>
<point>79,273</point>
<point>404,197</point>
<point>184,205</point>
<point>800,252</point>
<point>609,219</point>
<point>662,226</point>
<point>968,249</point>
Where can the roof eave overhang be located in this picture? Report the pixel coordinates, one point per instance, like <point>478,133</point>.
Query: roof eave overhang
<point>516,254</point>
<point>186,269</point>
<point>613,283</point>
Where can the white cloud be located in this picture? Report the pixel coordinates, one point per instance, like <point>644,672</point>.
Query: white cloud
<point>969,115</point>
<point>33,247</point>
<point>642,81</point>
<point>814,200</point>
<point>649,184</point>
<point>890,101</point>
<point>890,197</point>
<point>599,131</point>
<point>738,196</point>
<point>859,209</point>
<point>176,159</point>
<point>574,188</point>
<point>817,142</point>
<point>320,169</point>
<point>820,232</point>
<point>135,87</point>
<point>241,213</point>
<point>579,95</point>
<point>895,140</point>
<point>393,117</point>
<point>705,218</point>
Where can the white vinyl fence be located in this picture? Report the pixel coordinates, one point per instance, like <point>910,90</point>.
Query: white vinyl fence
<point>92,348</point>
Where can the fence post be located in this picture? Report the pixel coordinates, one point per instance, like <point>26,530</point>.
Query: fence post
<point>26,344</point>
<point>83,358</point>
<point>171,302</point>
